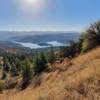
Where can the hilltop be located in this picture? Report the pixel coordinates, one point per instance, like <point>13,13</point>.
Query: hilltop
<point>77,79</point>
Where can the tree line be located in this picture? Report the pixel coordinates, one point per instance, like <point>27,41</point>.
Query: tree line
<point>87,41</point>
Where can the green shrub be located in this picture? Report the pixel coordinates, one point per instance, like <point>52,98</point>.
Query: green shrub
<point>71,50</point>
<point>6,66</point>
<point>4,75</point>
<point>10,83</point>
<point>91,38</point>
<point>51,56</point>
<point>2,87</point>
<point>89,42</point>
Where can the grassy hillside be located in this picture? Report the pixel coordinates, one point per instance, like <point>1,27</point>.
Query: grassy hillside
<point>76,79</point>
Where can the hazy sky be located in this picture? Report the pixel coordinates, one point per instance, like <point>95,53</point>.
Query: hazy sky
<point>69,15</point>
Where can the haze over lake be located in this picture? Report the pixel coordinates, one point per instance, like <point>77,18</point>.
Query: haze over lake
<point>36,40</point>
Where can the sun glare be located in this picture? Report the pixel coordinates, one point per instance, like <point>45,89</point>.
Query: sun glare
<point>31,2</point>
<point>32,6</point>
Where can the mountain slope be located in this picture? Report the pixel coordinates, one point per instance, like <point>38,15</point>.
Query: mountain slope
<point>80,81</point>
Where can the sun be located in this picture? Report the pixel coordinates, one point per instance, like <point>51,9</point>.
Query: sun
<point>31,2</point>
<point>32,7</point>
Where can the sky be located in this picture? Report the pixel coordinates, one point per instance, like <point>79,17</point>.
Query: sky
<point>48,15</point>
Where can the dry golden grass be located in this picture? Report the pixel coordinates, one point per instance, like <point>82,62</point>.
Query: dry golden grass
<point>80,81</point>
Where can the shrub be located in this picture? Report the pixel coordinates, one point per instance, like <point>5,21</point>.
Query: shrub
<point>89,42</point>
<point>70,51</point>
<point>10,83</point>
<point>4,75</point>
<point>51,56</point>
<point>79,45</point>
<point>2,87</point>
<point>19,65</point>
<point>6,66</point>
<point>36,81</point>
<point>91,38</point>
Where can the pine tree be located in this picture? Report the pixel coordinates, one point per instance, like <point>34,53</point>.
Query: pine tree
<point>51,57</point>
<point>26,74</point>
<point>14,71</point>
<point>6,65</point>
<point>26,71</point>
<point>40,63</point>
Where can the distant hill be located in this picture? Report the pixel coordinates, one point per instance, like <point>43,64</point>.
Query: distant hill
<point>35,40</point>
